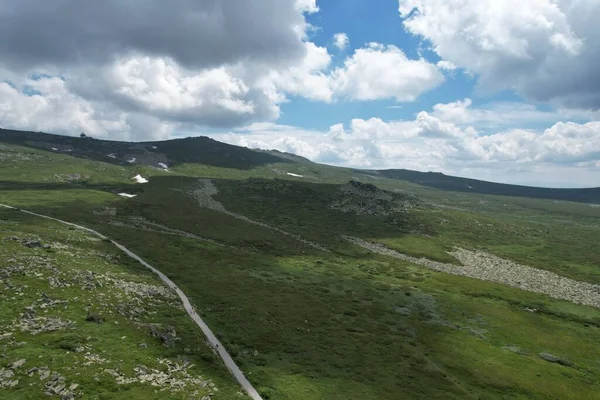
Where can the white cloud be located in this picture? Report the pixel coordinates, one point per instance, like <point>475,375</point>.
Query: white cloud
<point>445,65</point>
<point>308,78</point>
<point>444,140</point>
<point>307,6</point>
<point>378,72</point>
<point>46,104</point>
<point>341,41</point>
<point>547,50</point>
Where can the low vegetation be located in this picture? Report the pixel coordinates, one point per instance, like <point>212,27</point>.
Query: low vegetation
<point>303,322</point>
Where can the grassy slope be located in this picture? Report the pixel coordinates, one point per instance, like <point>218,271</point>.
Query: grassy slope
<point>115,342</point>
<point>311,325</point>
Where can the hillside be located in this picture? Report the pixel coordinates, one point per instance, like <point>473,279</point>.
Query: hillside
<point>446,182</point>
<point>83,321</point>
<point>321,282</point>
<point>209,152</point>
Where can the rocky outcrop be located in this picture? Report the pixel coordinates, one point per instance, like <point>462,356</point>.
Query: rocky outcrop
<point>487,267</point>
<point>367,199</point>
<point>553,359</point>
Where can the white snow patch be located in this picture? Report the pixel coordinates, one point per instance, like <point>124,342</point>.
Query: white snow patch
<point>112,156</point>
<point>69,150</point>
<point>131,161</point>
<point>470,187</point>
<point>154,147</point>
<point>55,149</point>
<point>129,196</point>
<point>163,165</point>
<point>296,175</point>
<point>139,179</point>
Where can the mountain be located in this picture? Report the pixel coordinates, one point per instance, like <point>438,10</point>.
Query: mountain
<point>206,151</point>
<point>318,281</point>
<point>440,181</point>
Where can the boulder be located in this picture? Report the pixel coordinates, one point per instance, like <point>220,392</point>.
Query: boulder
<point>32,244</point>
<point>554,359</point>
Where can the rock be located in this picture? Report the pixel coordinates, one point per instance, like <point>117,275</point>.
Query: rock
<point>553,359</point>
<point>515,349</point>
<point>6,373</point>
<point>44,375</point>
<point>47,246</point>
<point>32,244</point>
<point>93,317</point>
<point>168,338</point>
<point>143,345</point>
<point>5,379</point>
<point>403,311</point>
<point>18,363</point>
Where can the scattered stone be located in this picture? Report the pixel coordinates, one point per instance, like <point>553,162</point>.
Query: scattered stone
<point>487,267</point>
<point>35,325</point>
<point>6,380</point>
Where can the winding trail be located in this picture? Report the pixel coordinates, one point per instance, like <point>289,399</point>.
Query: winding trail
<point>212,339</point>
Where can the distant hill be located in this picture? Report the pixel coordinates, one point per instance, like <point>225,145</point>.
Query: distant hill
<point>438,180</point>
<point>207,151</point>
<point>200,149</point>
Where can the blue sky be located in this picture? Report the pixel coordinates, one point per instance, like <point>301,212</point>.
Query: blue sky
<point>504,91</point>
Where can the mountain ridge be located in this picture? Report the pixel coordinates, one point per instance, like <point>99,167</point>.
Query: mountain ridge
<point>205,150</point>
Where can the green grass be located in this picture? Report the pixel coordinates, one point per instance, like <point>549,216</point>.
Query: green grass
<point>306,324</point>
<point>116,341</point>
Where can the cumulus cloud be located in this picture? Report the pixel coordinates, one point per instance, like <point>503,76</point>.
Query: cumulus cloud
<point>45,104</point>
<point>307,6</point>
<point>307,78</point>
<point>194,63</point>
<point>446,141</point>
<point>341,41</point>
<point>197,34</point>
<point>547,50</point>
<point>206,63</point>
<point>378,71</point>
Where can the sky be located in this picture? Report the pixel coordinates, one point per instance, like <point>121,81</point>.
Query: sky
<point>507,91</point>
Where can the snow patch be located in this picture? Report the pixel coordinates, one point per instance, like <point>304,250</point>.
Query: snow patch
<point>129,196</point>
<point>163,165</point>
<point>112,156</point>
<point>139,179</point>
<point>296,175</point>
<point>131,161</point>
<point>154,147</point>
<point>55,149</point>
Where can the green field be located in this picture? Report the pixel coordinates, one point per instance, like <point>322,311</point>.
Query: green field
<point>304,323</point>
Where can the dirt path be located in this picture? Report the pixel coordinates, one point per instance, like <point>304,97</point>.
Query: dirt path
<point>212,339</point>
<point>204,197</point>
